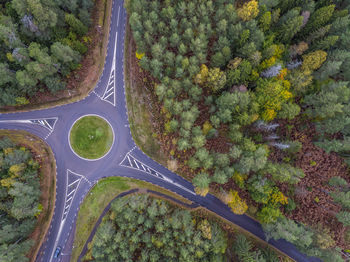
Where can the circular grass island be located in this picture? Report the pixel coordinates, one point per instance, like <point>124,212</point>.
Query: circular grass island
<point>91,137</point>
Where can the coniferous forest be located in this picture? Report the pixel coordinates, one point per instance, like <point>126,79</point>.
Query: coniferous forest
<point>19,200</point>
<point>41,42</point>
<point>251,98</point>
<point>142,228</point>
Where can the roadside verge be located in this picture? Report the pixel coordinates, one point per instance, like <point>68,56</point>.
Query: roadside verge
<point>44,155</point>
<point>100,196</point>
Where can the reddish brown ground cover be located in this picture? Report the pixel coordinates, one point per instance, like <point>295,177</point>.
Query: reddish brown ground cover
<point>314,204</point>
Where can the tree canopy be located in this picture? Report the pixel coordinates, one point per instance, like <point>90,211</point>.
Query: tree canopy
<point>41,42</point>
<point>19,200</point>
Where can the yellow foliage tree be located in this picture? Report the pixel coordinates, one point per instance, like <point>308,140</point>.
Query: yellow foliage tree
<point>202,76</point>
<point>207,127</point>
<point>278,197</point>
<point>139,55</point>
<point>314,60</point>
<point>10,57</point>
<point>237,205</point>
<point>8,150</point>
<point>15,170</point>
<point>249,10</point>
<point>283,73</point>
<point>21,100</point>
<point>205,228</point>
<point>268,62</point>
<point>239,178</point>
<point>271,94</point>
<point>7,182</point>
<point>268,114</point>
<point>234,63</point>
<point>201,191</point>
<point>225,197</point>
<point>216,79</point>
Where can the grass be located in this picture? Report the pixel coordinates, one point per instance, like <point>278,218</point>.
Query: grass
<point>91,137</point>
<point>98,198</point>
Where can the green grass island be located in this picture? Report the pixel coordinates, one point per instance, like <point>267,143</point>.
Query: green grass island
<point>91,137</point>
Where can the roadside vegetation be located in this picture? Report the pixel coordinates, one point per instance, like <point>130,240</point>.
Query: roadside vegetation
<point>108,188</point>
<point>27,190</point>
<point>250,100</point>
<point>139,228</point>
<point>42,43</point>
<point>91,137</point>
<point>142,228</point>
<point>70,40</point>
<point>98,198</point>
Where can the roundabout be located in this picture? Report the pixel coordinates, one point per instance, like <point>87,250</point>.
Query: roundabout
<point>91,137</point>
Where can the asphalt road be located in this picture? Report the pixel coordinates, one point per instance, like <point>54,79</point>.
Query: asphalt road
<point>75,176</point>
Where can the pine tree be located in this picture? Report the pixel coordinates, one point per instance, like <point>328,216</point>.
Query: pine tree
<point>249,10</point>
<point>77,26</point>
<point>201,183</point>
<point>337,182</point>
<point>314,60</point>
<point>319,18</point>
<point>343,198</point>
<point>216,79</point>
<point>237,205</point>
<point>344,217</point>
<point>284,228</point>
<point>325,43</point>
<point>290,28</point>
<point>284,172</point>
<point>269,214</point>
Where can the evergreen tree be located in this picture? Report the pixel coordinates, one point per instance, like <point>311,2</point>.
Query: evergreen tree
<point>318,18</point>
<point>344,217</point>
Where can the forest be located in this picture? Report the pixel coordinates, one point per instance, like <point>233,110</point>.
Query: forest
<point>19,200</point>
<point>143,228</point>
<point>41,42</point>
<point>252,100</point>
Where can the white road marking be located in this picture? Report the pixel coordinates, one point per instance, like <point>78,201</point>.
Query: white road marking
<point>66,208</point>
<point>39,121</point>
<point>118,16</point>
<point>111,81</point>
<point>108,96</point>
<point>150,171</point>
<point>73,182</point>
<point>136,164</point>
<point>129,160</point>
<point>143,167</point>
